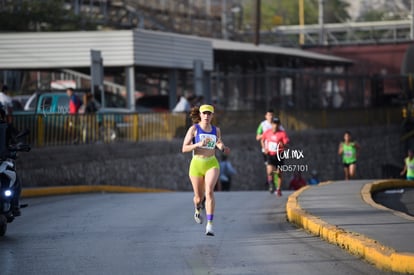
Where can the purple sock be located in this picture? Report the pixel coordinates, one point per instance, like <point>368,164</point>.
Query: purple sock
<point>210,217</point>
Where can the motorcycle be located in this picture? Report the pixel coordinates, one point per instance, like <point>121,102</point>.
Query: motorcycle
<point>9,181</point>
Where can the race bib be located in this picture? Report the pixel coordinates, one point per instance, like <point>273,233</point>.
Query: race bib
<point>211,141</point>
<point>272,146</point>
<point>348,154</point>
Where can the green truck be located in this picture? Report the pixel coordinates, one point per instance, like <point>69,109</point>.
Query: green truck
<point>47,115</point>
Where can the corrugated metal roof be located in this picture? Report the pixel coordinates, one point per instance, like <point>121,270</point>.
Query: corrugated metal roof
<point>44,50</point>
<point>169,50</point>
<point>225,45</point>
<point>118,49</point>
<point>64,49</point>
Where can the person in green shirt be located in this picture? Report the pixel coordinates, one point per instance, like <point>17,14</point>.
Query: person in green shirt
<point>409,166</point>
<point>265,125</point>
<point>349,151</point>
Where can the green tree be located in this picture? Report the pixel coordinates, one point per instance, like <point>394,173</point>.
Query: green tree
<point>335,11</point>
<point>286,12</point>
<point>379,15</point>
<point>372,15</point>
<point>39,15</point>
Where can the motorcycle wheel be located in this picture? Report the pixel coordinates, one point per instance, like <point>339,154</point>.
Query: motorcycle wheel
<point>3,225</point>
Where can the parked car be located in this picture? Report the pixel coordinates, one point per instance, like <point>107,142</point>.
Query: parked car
<point>19,101</point>
<point>152,103</point>
<point>109,121</point>
<point>111,100</point>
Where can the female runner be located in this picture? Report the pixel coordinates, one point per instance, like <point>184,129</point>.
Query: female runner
<point>202,139</point>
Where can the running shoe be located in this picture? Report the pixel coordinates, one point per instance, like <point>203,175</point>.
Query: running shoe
<point>271,188</point>
<point>279,192</point>
<point>209,229</point>
<point>198,217</point>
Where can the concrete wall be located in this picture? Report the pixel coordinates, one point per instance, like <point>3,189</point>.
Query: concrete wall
<point>162,165</point>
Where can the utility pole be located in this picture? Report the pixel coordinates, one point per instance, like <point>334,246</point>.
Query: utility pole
<point>208,7</point>
<point>257,28</point>
<point>412,21</point>
<point>302,22</point>
<point>76,7</point>
<point>224,20</point>
<point>321,30</point>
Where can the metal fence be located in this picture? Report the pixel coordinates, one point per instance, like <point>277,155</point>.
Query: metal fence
<point>303,98</point>
<point>285,89</point>
<point>60,129</point>
<point>53,130</point>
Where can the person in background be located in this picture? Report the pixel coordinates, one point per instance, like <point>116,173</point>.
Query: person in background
<point>297,181</point>
<point>202,138</point>
<point>183,105</point>
<point>74,102</point>
<point>89,105</point>
<point>88,121</point>
<point>349,151</point>
<point>314,179</point>
<point>73,122</point>
<point>408,169</point>
<point>226,172</point>
<point>265,125</point>
<point>8,138</point>
<point>6,103</point>
<point>273,142</point>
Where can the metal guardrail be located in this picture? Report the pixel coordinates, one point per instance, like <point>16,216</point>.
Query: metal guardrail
<point>349,32</point>
<point>78,77</point>
<point>62,129</point>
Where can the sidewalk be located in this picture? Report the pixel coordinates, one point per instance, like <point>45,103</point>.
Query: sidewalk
<point>343,213</point>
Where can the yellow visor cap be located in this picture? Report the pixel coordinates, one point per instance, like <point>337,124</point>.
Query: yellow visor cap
<point>206,108</point>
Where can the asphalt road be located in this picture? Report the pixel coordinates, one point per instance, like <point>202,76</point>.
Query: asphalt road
<point>154,233</point>
<point>401,199</point>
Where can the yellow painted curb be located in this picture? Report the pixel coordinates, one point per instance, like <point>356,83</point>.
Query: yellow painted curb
<point>380,185</point>
<point>381,256</point>
<point>76,189</point>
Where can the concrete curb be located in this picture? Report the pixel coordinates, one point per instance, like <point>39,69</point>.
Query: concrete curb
<point>381,185</point>
<point>76,189</point>
<point>381,256</point>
